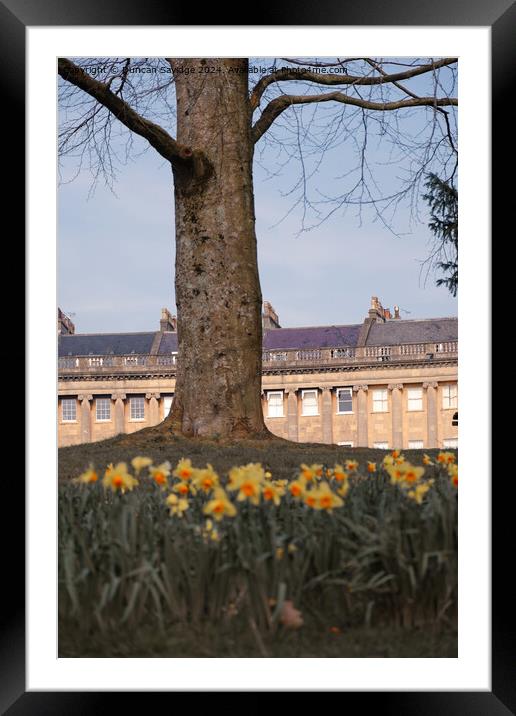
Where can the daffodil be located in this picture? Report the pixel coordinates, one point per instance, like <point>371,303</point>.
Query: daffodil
<point>248,481</point>
<point>220,505</point>
<point>272,493</point>
<point>117,478</point>
<point>183,469</point>
<point>205,480</point>
<point>412,474</point>
<point>139,462</point>
<point>396,472</point>
<point>311,472</point>
<point>184,488</point>
<point>177,505</point>
<point>160,473</point>
<point>279,552</point>
<point>446,458</point>
<point>418,493</point>
<point>351,465</point>
<point>371,466</point>
<point>88,475</point>
<point>453,472</point>
<point>339,473</point>
<point>427,460</point>
<point>326,499</point>
<point>297,488</point>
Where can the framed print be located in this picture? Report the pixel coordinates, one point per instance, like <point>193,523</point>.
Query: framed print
<point>37,677</point>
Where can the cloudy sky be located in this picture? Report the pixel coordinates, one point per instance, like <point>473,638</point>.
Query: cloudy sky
<point>116,251</point>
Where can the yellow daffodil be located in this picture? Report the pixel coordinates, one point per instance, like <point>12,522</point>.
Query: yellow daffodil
<point>205,480</point>
<point>292,548</point>
<point>311,472</point>
<point>183,469</point>
<point>139,462</point>
<point>184,488</point>
<point>351,465</point>
<point>177,505</point>
<point>446,458</point>
<point>272,493</point>
<point>371,466</point>
<point>427,460</point>
<point>418,493</point>
<point>453,472</point>
<point>395,454</point>
<point>117,478</point>
<point>248,481</point>
<point>88,475</point>
<point>388,461</point>
<point>339,473</point>
<point>268,474</point>
<point>343,489</point>
<point>160,473</point>
<point>326,499</point>
<point>297,488</point>
<point>396,472</point>
<point>412,474</point>
<point>220,505</point>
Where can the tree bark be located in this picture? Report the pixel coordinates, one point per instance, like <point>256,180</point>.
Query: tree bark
<point>218,294</point>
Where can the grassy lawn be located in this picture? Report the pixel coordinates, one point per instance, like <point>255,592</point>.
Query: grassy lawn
<point>373,576</point>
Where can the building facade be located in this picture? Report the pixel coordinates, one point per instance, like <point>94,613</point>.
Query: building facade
<point>386,382</point>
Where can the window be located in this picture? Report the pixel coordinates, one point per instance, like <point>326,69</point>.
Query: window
<point>344,400</point>
<point>309,402</point>
<point>451,443</point>
<point>167,404</point>
<point>137,408</point>
<point>449,396</point>
<point>415,398</point>
<point>348,444</point>
<point>379,401</point>
<point>103,409</point>
<point>381,446</point>
<point>455,420</point>
<point>415,444</point>
<point>69,410</point>
<point>275,402</point>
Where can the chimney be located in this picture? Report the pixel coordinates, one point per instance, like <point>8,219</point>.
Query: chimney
<point>168,322</point>
<point>377,311</point>
<point>65,327</point>
<point>396,311</point>
<point>270,318</point>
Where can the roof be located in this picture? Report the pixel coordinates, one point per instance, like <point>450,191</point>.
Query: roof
<point>392,332</point>
<point>311,337</point>
<point>427,330</point>
<point>83,344</point>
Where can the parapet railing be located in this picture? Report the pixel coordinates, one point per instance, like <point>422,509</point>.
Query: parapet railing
<point>272,359</point>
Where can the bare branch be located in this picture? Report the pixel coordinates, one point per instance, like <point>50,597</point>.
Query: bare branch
<point>166,145</point>
<point>280,104</point>
<point>332,79</point>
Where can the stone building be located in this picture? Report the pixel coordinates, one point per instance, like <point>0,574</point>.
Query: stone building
<point>386,382</point>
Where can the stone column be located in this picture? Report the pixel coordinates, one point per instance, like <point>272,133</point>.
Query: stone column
<point>431,413</point>
<point>397,415</point>
<point>361,391</point>
<point>153,407</point>
<point>85,417</point>
<point>292,415</point>
<point>119,412</point>
<point>326,415</point>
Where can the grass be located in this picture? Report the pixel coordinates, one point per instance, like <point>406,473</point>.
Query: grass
<point>374,578</point>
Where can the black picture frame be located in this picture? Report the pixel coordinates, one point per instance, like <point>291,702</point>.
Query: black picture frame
<point>15,17</point>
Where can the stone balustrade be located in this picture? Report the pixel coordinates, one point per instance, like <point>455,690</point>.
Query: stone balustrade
<point>272,359</point>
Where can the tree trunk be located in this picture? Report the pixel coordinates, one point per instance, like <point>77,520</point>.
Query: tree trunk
<point>218,296</point>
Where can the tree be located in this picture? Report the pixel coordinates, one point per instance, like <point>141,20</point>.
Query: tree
<point>443,198</point>
<point>219,121</point>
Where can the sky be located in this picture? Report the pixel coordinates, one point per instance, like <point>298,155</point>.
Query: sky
<point>116,248</point>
